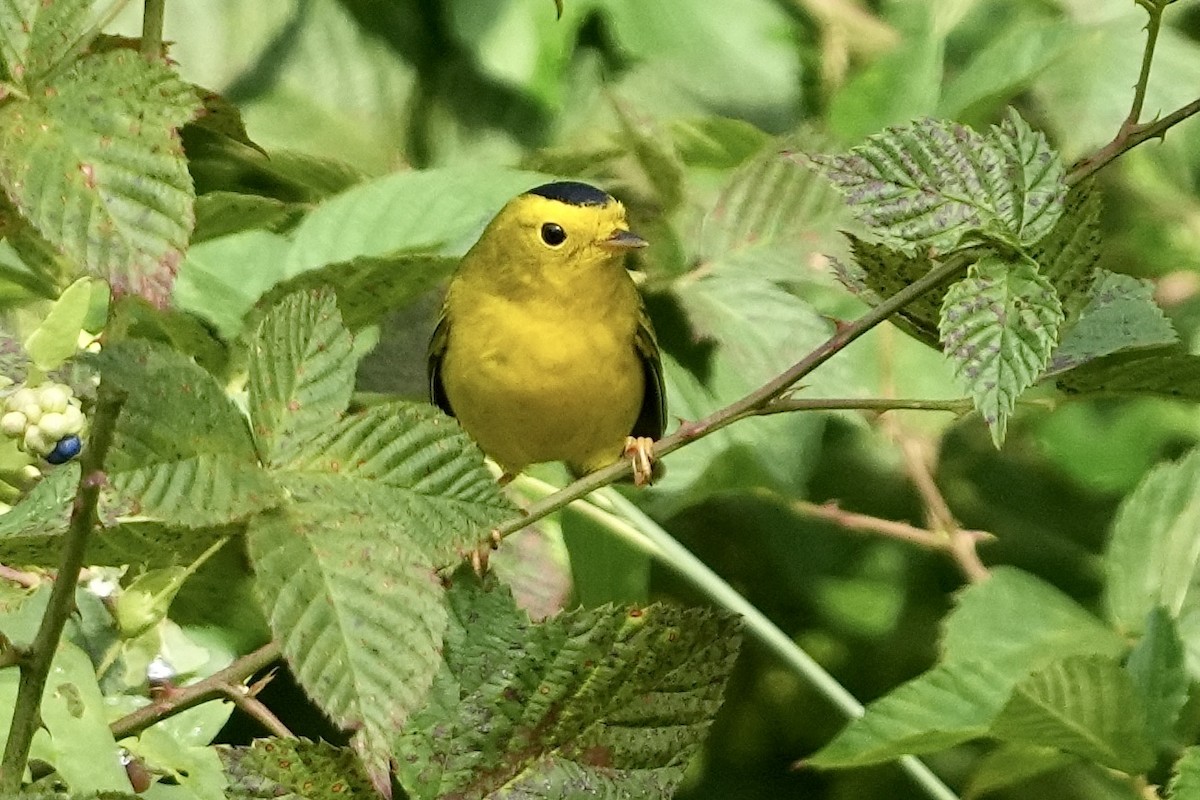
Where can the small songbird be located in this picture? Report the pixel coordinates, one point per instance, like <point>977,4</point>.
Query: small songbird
<point>544,351</point>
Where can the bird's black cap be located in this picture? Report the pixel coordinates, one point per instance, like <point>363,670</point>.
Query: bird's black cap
<point>572,193</point>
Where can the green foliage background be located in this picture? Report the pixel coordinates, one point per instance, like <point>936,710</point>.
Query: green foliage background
<point>682,108</point>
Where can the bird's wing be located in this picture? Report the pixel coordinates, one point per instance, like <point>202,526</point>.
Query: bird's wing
<point>437,350</point>
<point>652,419</point>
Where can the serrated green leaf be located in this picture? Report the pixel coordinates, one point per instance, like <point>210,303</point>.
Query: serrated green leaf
<point>1068,254</point>
<point>1153,556</point>
<point>357,609</point>
<point>878,272</point>
<point>1011,764</point>
<point>301,374</point>
<point>270,768</point>
<point>1159,673</point>
<point>35,35</point>
<point>369,287</point>
<point>1158,372</point>
<point>1020,623</point>
<point>1082,704</point>
<point>771,215</point>
<point>1121,315</point>
<point>96,165</point>
<point>924,184</point>
<point>409,464</point>
<point>173,410</point>
<point>950,704</point>
<point>1185,780</point>
<point>57,338</point>
<point>215,285</point>
<point>998,328</point>
<point>1030,187</point>
<point>204,491</point>
<point>603,702</point>
<point>654,155</point>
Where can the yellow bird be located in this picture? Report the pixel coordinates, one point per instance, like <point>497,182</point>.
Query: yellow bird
<point>544,351</point>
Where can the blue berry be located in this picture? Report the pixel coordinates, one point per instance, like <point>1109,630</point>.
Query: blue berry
<point>67,448</point>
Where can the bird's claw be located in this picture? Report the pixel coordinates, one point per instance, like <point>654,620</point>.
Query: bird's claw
<point>480,556</point>
<point>640,450</point>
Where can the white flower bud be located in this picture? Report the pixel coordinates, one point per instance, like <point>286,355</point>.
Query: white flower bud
<point>35,441</point>
<point>13,424</point>
<point>73,417</point>
<point>21,398</point>
<point>51,397</point>
<point>32,412</point>
<point>53,425</point>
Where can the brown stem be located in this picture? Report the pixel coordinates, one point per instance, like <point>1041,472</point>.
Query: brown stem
<point>35,667</point>
<point>26,579</point>
<point>177,700</point>
<point>243,697</point>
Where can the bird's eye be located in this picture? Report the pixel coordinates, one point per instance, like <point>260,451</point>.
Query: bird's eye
<point>553,234</point>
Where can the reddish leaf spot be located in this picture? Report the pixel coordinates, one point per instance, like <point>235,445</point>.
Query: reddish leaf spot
<point>293,405</point>
<point>89,175</point>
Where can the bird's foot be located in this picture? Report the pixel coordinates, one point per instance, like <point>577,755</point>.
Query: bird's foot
<point>640,450</point>
<point>480,556</point>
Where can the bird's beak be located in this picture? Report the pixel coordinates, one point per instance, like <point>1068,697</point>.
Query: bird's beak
<point>622,239</point>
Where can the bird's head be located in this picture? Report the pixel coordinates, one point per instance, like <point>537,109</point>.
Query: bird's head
<point>567,227</point>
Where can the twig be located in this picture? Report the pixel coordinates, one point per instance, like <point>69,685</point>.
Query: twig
<point>960,543</point>
<point>1133,131</point>
<point>785,405</point>
<point>177,700</point>
<point>865,523</point>
<point>35,667</point>
<point>152,29</point>
<point>747,406</point>
<point>244,698</point>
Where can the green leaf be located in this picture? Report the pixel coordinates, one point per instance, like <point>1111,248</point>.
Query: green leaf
<point>36,35</point>
<point>1185,780</point>
<point>1030,188</point>
<point>1158,372</point>
<point>271,768</point>
<point>950,704</point>
<point>408,464</point>
<point>96,166</point>
<point>716,142</point>
<point>367,288</point>
<point>74,735</point>
<point>922,184</point>
<point>998,328</point>
<point>1120,315</point>
<point>1020,623</point>
<point>1153,557</point>
<point>1011,764</point>
<point>224,213</point>
<point>1067,256</point>
<point>204,491</point>
<point>771,216</point>
<point>1159,673</point>
<point>173,410</point>
<point>357,609</point>
<point>1004,66</point>
<point>30,533</point>
<point>1085,705</point>
<point>878,272</point>
<point>301,374</point>
<point>57,338</point>
<point>596,702</point>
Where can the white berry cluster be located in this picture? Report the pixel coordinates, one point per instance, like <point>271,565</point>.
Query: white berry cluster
<point>46,420</point>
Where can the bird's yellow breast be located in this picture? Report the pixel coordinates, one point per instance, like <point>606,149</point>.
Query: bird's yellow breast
<point>556,379</point>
